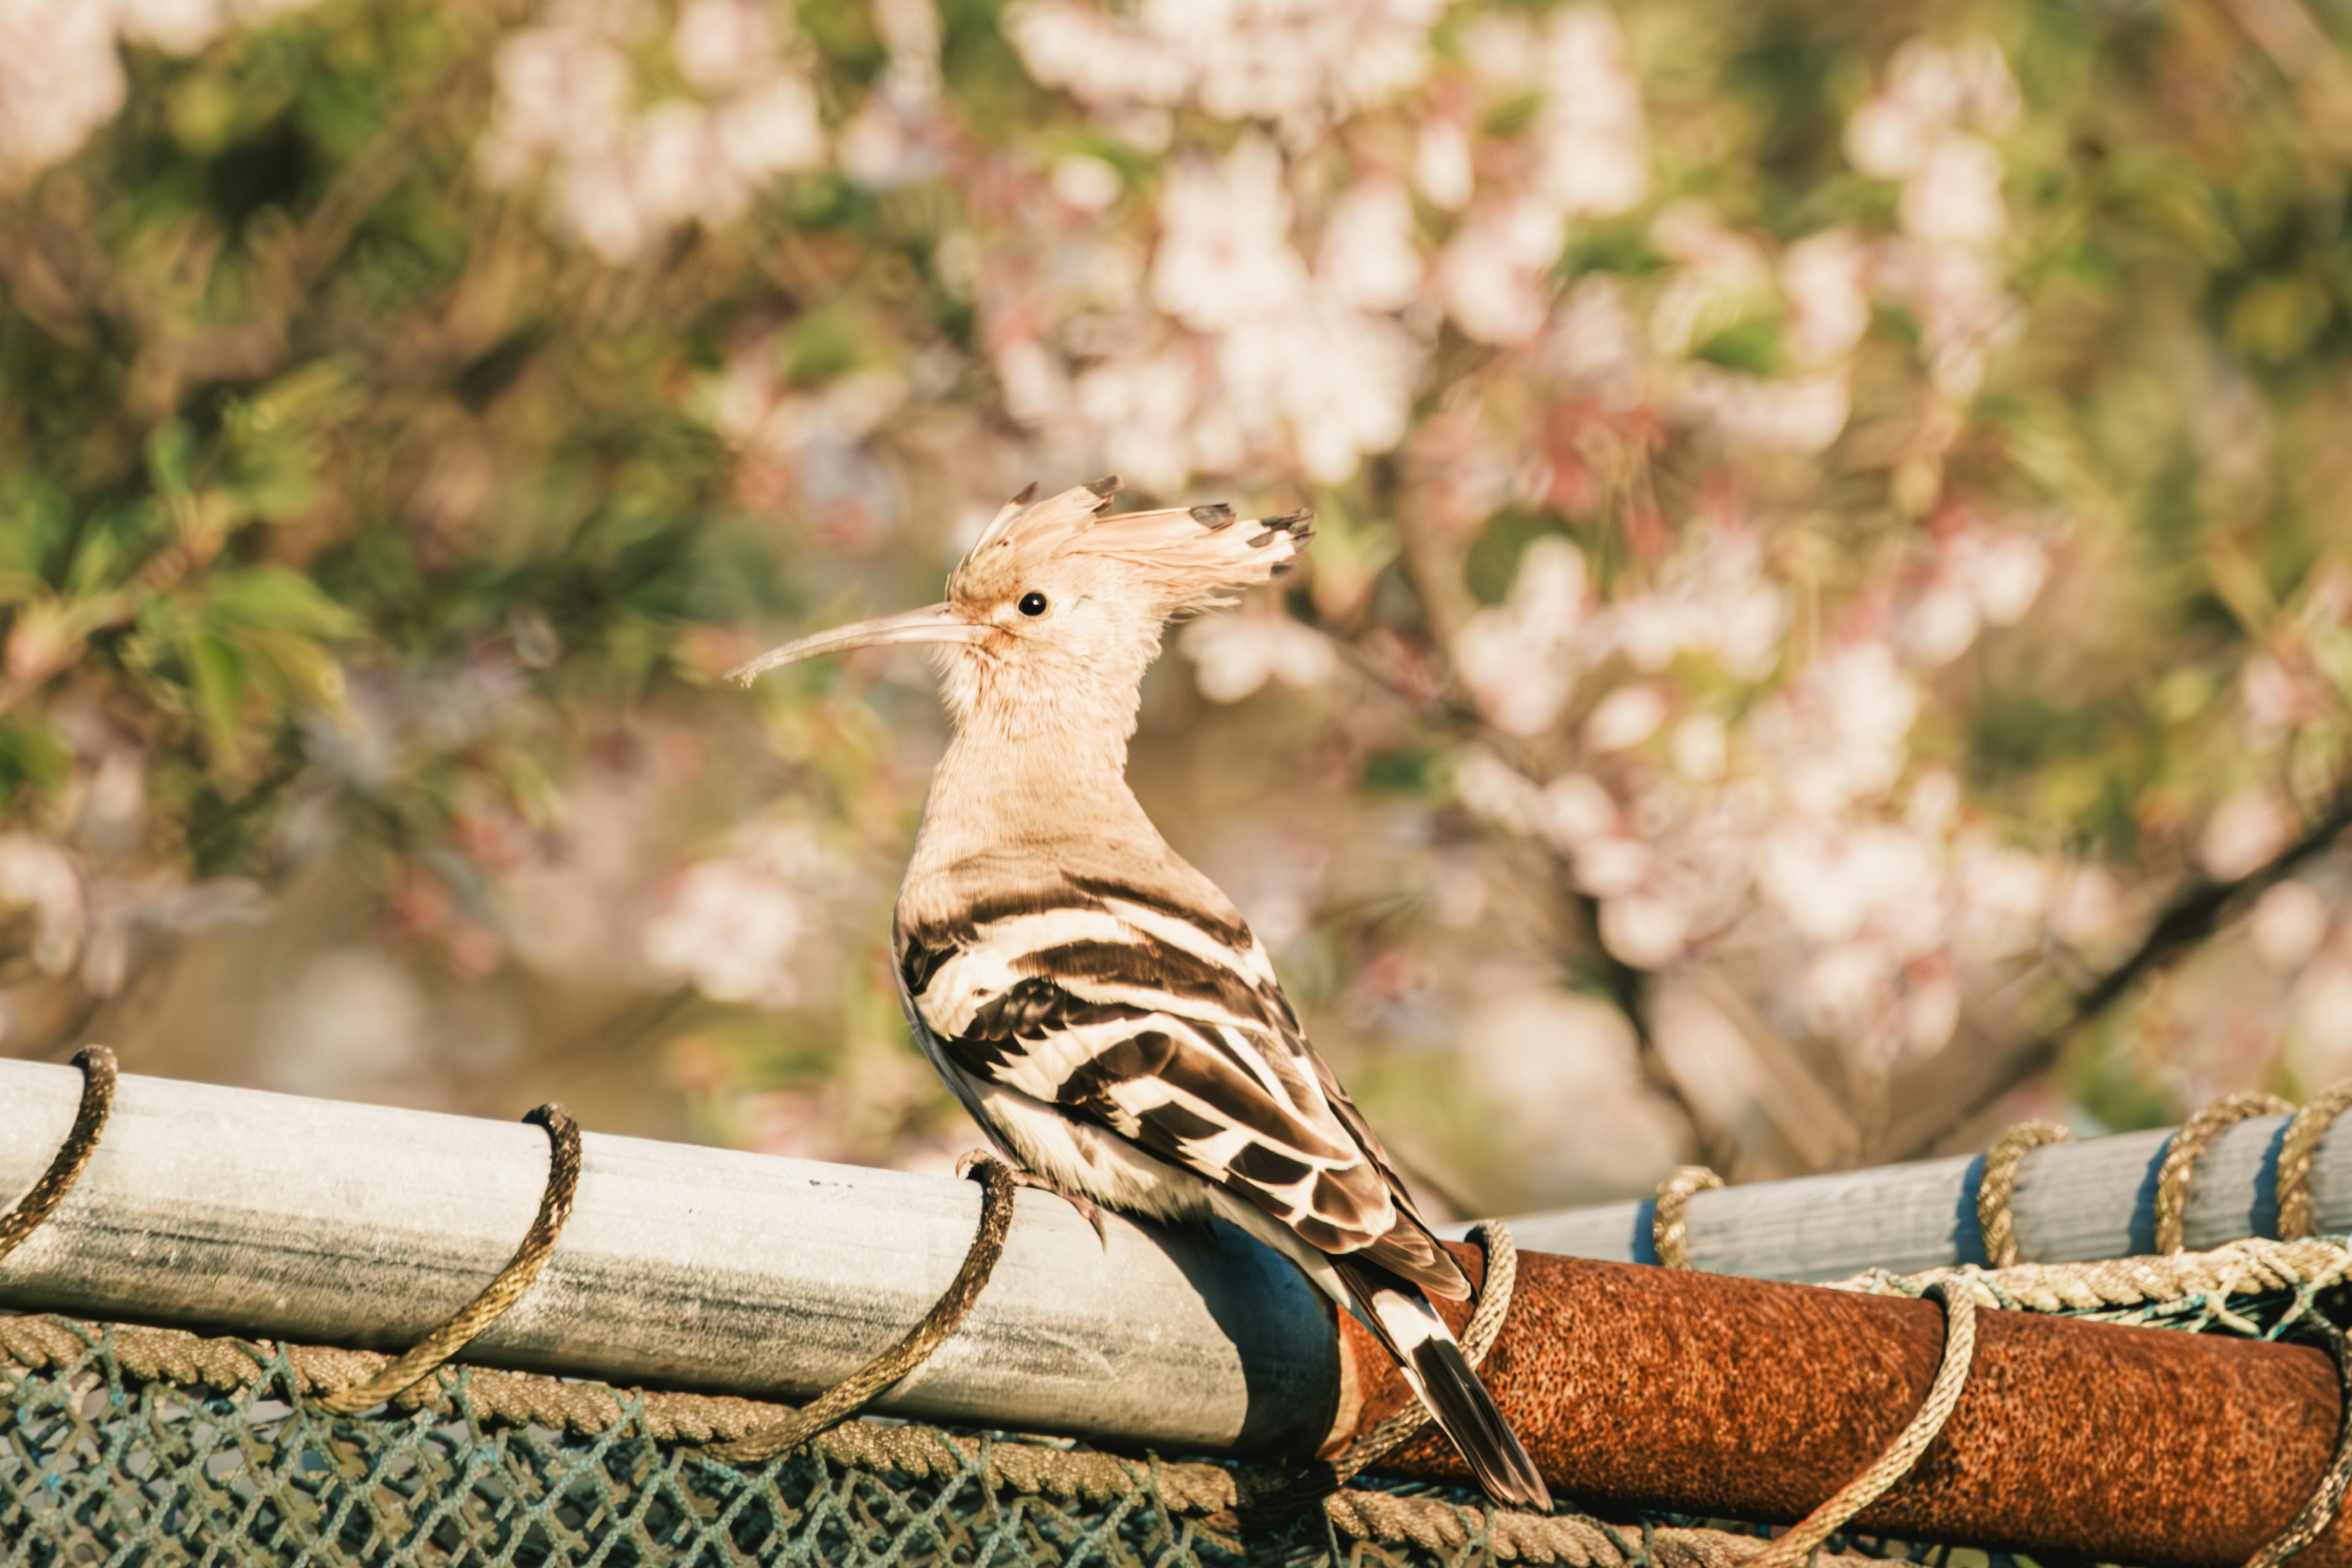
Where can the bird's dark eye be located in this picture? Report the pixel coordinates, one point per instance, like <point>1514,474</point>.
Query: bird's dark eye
<point>1033,603</point>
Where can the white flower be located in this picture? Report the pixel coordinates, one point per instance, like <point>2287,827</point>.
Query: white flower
<point>674,162</point>
<point>1497,271</point>
<point>1573,811</point>
<point>2288,923</point>
<point>772,131</point>
<point>1344,381</point>
<point>1598,345</point>
<point>1839,731</point>
<point>1233,656</point>
<point>175,27</point>
<point>1224,257</point>
<point>1491,789</point>
<point>1303,64</point>
<point>1644,930</point>
<point>1801,415</point>
<point>1088,183</point>
<point>2246,832</point>
<point>723,45</point>
<point>1612,865</point>
<point>1928,90</point>
<point>1143,407</point>
<point>1503,49</point>
<point>1442,170</point>
<point>1595,149</point>
<point>2002,572</point>
<point>2088,909</point>
<point>61,79</point>
<point>1367,256</point>
<point>1843,986</point>
<point>1626,717</point>
<point>1954,196</point>
<point>1825,277</point>
<point>1037,389</point>
<point>1931,1009</point>
<point>598,201</point>
<point>2001,899</point>
<point>1939,624</point>
<point>1516,657</point>
<point>1699,748</point>
<point>558,90</point>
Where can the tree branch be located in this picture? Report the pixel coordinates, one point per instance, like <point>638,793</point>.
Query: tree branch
<point>2192,918</point>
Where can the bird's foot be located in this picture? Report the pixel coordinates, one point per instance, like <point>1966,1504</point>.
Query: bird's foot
<point>1086,1208</point>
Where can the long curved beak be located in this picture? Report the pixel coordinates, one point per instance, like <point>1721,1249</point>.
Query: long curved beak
<point>932,623</point>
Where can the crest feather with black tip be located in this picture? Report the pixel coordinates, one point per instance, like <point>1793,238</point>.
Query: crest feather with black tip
<point>1182,559</point>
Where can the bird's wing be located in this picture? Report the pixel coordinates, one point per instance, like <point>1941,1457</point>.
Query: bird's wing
<point>1163,1022</point>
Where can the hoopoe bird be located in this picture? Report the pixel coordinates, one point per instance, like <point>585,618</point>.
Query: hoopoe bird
<point>1097,1005</point>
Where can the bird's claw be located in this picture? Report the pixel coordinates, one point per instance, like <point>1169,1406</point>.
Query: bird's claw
<point>1087,1208</point>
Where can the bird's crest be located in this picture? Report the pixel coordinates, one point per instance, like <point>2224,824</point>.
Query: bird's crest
<point>1182,557</point>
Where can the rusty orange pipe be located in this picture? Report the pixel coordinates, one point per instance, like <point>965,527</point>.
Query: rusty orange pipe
<point>1746,1399</point>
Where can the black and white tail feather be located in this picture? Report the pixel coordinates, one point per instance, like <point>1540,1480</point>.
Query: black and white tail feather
<point>1433,1362</point>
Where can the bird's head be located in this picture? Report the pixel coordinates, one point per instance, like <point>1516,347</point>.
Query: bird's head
<point>1058,604</point>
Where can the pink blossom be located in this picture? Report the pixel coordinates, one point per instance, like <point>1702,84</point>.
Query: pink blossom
<point>2288,923</point>
<point>1595,149</point>
<point>1644,930</point>
<point>1495,271</point>
<point>2246,832</point>
<point>1442,170</point>
<point>1234,655</point>
<point>1954,196</point>
<point>1224,258</point>
<point>1369,256</point>
<point>723,45</point>
<point>1626,717</point>
<point>1088,183</point>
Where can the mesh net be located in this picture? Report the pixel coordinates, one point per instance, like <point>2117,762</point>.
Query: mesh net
<point>138,1447</point>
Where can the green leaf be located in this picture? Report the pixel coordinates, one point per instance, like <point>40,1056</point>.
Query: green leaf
<point>171,459</point>
<point>1513,115</point>
<point>1753,345</point>
<point>271,598</point>
<point>219,674</point>
<point>31,757</point>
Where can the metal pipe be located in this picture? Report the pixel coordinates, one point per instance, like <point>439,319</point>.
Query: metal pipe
<point>1748,1399</point>
<point>316,1220</point>
<point>269,1215</point>
<point>2074,1203</point>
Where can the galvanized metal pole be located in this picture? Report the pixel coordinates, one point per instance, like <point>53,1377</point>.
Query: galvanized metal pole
<point>2073,1202</point>
<point>316,1221</point>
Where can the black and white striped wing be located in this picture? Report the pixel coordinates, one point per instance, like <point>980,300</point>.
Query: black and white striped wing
<point>1166,1026</point>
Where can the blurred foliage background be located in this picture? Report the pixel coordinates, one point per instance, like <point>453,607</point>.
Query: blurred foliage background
<point>1829,627</point>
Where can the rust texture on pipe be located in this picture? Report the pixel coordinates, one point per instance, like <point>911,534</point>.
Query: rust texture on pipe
<point>1744,1398</point>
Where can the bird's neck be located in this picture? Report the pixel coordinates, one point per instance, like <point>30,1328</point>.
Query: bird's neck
<point>1036,771</point>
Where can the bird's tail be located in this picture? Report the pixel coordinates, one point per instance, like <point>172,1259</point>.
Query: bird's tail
<point>1431,1361</point>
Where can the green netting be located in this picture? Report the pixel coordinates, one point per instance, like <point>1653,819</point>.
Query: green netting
<point>109,1462</point>
<point>103,1468</point>
<point>103,1465</point>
